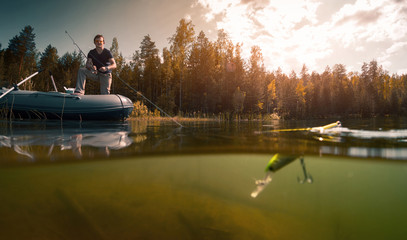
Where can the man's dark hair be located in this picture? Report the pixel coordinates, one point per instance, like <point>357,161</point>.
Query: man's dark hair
<point>99,36</point>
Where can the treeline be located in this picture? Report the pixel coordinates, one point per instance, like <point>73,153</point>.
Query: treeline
<point>199,77</point>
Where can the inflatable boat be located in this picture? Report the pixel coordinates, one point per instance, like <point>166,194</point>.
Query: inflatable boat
<point>22,104</point>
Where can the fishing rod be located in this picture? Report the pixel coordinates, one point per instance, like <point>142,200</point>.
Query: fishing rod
<point>148,100</point>
<point>80,50</point>
<point>125,83</point>
<point>18,84</point>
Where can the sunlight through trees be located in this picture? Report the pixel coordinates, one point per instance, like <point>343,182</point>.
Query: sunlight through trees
<point>197,77</point>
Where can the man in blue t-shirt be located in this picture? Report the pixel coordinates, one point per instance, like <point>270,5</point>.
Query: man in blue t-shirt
<point>99,66</point>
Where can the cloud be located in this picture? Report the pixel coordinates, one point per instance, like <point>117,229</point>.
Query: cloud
<point>290,33</point>
<point>371,21</point>
<point>393,52</point>
<point>396,47</point>
<point>362,17</point>
<point>360,49</point>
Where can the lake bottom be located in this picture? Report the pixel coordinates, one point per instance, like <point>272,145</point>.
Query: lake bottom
<point>204,197</point>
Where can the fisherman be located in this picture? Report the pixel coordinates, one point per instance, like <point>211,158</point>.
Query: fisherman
<point>99,66</point>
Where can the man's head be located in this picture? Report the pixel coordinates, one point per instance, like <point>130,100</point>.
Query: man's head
<point>99,38</point>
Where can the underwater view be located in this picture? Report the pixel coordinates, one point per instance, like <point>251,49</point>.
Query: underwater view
<point>144,179</point>
<point>291,120</point>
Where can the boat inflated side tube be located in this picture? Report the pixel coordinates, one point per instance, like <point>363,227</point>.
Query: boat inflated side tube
<point>127,105</point>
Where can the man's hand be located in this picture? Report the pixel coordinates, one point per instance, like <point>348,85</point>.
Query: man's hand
<point>92,69</point>
<point>90,66</point>
<point>104,69</point>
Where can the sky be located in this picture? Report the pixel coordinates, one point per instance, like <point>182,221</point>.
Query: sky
<point>290,33</point>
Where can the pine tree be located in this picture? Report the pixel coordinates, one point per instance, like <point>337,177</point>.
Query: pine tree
<point>300,93</point>
<point>2,65</point>
<point>48,62</point>
<point>68,66</point>
<point>117,85</point>
<point>166,99</point>
<point>22,48</point>
<point>255,84</point>
<point>151,68</point>
<point>117,55</point>
<point>181,43</point>
<point>20,56</point>
<point>200,81</point>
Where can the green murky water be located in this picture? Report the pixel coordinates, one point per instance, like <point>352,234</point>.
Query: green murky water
<point>150,180</point>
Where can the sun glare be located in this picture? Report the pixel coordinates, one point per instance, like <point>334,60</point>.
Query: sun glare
<point>291,33</point>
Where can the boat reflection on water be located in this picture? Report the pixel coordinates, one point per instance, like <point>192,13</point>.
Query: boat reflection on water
<point>52,141</point>
<point>105,141</point>
<point>277,162</point>
<point>9,142</point>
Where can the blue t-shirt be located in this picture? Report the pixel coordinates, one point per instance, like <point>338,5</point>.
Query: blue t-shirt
<point>100,60</point>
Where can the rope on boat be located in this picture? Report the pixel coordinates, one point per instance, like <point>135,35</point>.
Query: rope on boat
<point>38,114</point>
<point>63,108</point>
<point>11,109</point>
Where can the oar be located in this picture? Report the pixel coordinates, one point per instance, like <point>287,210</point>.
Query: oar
<point>18,84</point>
<point>53,82</point>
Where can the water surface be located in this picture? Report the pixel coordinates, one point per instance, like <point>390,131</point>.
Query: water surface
<point>154,180</point>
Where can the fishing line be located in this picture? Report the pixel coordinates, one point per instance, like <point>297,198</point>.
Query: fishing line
<point>320,129</point>
<point>125,83</point>
<point>80,50</point>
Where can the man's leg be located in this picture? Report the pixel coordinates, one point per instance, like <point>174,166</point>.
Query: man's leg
<point>83,73</point>
<point>105,82</point>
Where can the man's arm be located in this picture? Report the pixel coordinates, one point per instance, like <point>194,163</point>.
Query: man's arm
<point>111,66</point>
<point>89,65</point>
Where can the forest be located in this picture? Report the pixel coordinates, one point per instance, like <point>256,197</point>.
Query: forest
<point>196,77</point>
